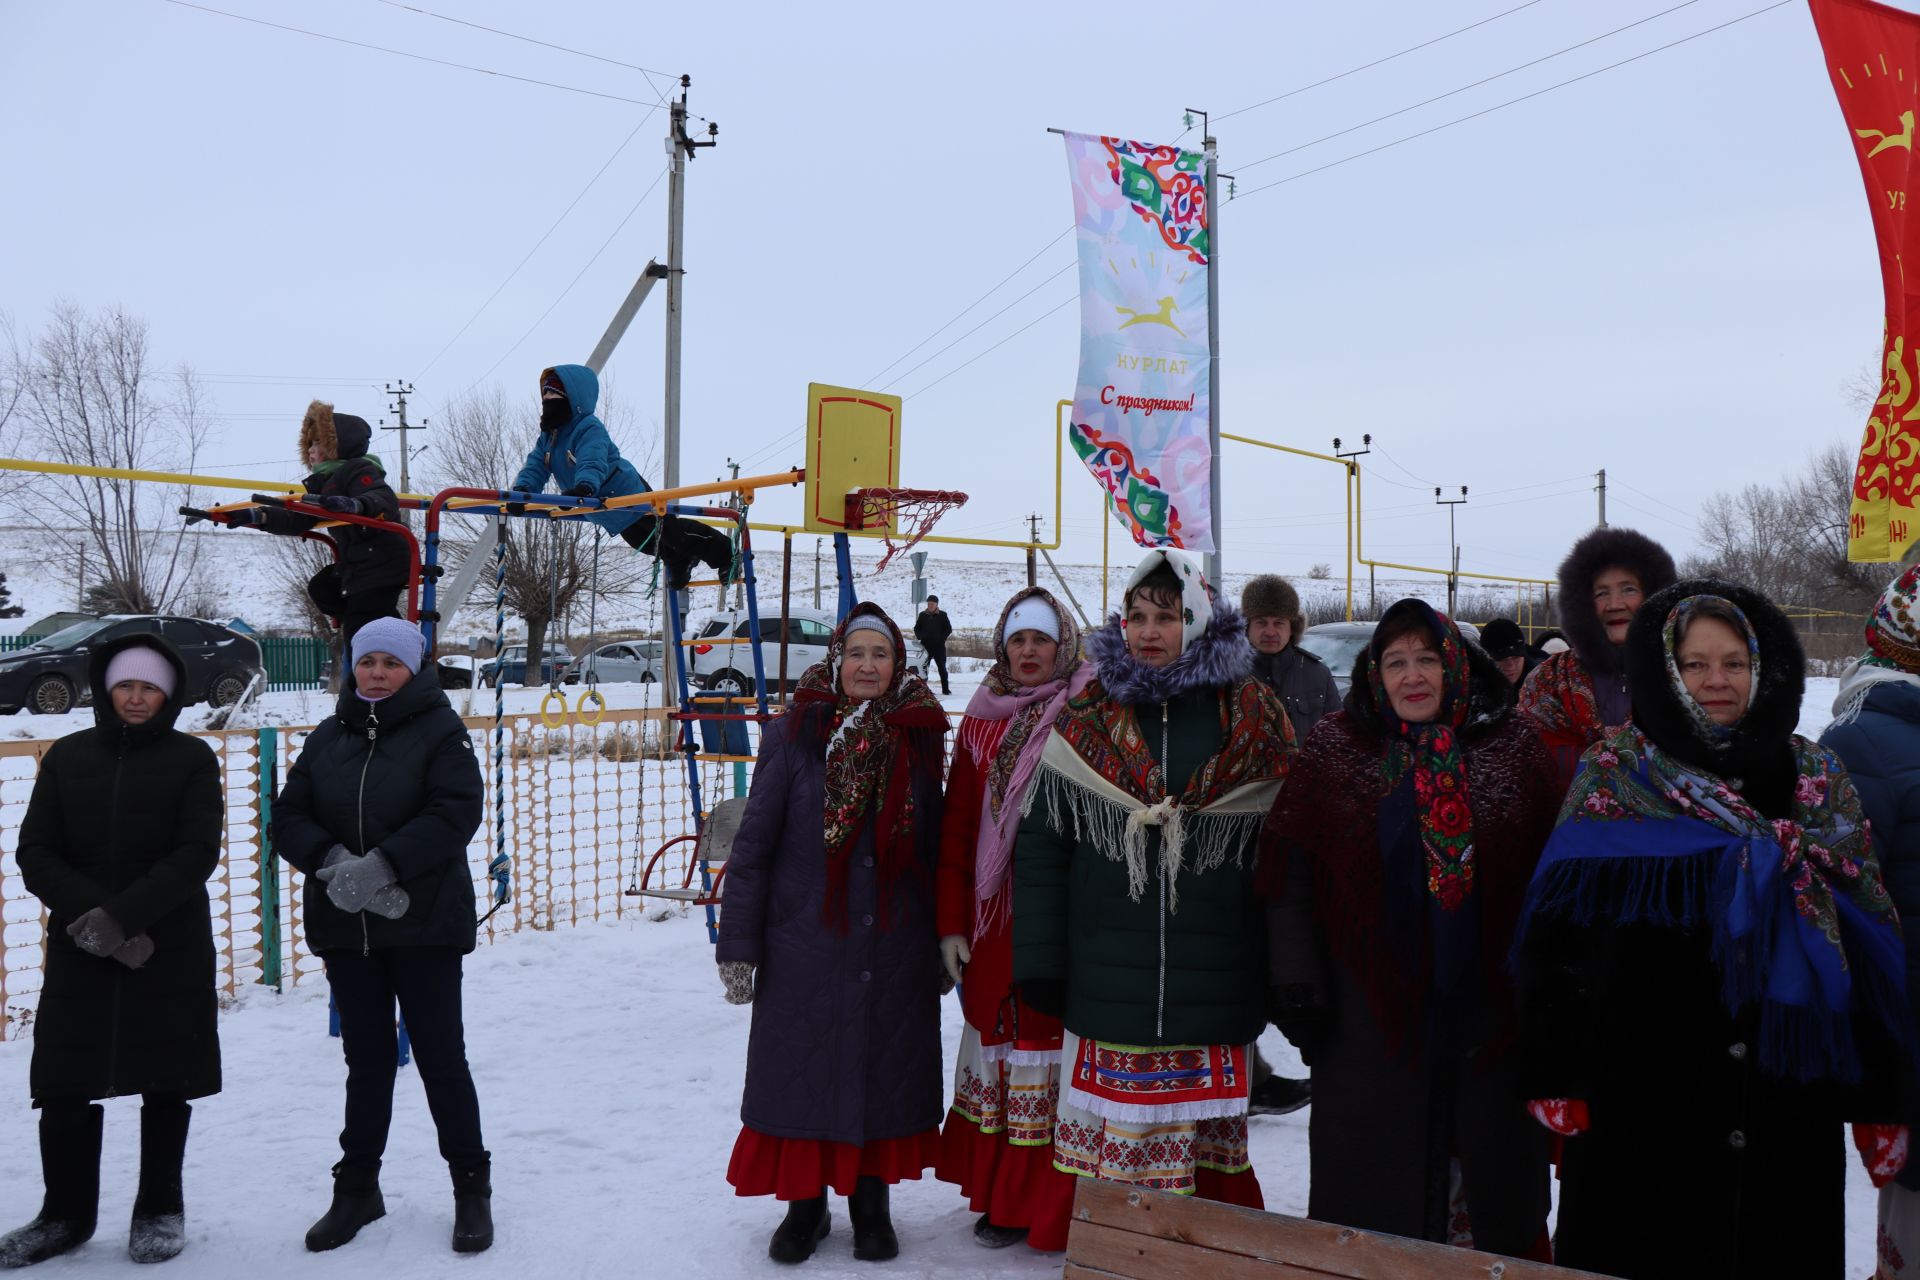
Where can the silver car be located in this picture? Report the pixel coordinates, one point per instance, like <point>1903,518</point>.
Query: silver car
<point>622,662</point>
<point>719,653</point>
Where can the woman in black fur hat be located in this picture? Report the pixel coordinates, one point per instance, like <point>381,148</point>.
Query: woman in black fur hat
<point>1578,695</point>
<point>1711,969</point>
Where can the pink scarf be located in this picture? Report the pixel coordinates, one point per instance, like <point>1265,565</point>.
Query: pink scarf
<point>1009,755</point>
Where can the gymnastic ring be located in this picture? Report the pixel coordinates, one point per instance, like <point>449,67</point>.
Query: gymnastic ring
<point>599,707</point>
<point>548,719</point>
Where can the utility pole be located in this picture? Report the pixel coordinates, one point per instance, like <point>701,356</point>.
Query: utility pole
<point>816,571</point>
<point>1351,457</point>
<point>1601,489</point>
<point>400,393</point>
<point>1453,545</point>
<point>1033,545</point>
<point>1211,148</point>
<point>680,149</point>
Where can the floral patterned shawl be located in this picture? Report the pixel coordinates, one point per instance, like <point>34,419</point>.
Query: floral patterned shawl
<point>873,750</point>
<point>1800,920</point>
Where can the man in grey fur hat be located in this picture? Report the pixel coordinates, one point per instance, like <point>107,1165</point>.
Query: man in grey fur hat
<point>1306,688</point>
<point>1298,678</point>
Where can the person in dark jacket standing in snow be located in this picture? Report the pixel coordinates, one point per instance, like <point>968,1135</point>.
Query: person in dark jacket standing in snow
<point>1135,917</point>
<point>1578,696</point>
<point>828,932</point>
<point>576,453</point>
<point>121,833</point>
<point>1306,689</point>
<point>372,570</point>
<point>1397,859</point>
<point>377,813</point>
<point>1876,734</point>
<point>1297,677</point>
<point>931,628</point>
<point>1711,970</point>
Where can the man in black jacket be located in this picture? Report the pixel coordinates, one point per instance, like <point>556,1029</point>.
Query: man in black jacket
<point>1306,688</point>
<point>372,568</point>
<point>931,629</point>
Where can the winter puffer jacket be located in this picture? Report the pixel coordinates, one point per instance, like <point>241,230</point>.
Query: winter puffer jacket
<point>1302,683</point>
<point>369,560</point>
<point>583,453</point>
<point>398,775</point>
<point>846,1025</point>
<point>128,818</point>
<point>1136,972</point>
<point>1881,748</point>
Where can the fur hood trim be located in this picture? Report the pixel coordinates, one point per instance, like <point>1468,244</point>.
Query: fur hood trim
<point>1218,657</point>
<point>340,435</point>
<point>1603,549</point>
<point>1761,745</point>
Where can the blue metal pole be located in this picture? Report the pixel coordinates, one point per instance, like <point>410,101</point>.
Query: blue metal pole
<point>843,566</point>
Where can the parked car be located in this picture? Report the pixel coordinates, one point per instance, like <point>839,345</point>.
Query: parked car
<point>49,677</point>
<point>720,661</point>
<point>622,662</point>
<point>1338,644</point>
<point>512,665</point>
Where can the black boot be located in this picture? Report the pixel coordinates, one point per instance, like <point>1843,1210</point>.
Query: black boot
<point>356,1202</point>
<point>159,1229</point>
<point>70,1166</point>
<point>473,1208</point>
<point>988,1235</point>
<point>873,1238</point>
<point>806,1225</point>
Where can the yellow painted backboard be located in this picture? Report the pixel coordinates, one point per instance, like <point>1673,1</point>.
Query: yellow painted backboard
<point>853,442</point>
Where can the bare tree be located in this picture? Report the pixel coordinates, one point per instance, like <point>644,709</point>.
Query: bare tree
<point>86,397</point>
<point>549,563</point>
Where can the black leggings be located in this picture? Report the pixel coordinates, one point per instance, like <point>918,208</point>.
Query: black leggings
<point>426,982</point>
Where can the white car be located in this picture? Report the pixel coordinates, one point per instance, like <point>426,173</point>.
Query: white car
<point>622,662</point>
<point>719,661</point>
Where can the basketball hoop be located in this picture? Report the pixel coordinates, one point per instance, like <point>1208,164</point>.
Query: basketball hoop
<point>900,516</point>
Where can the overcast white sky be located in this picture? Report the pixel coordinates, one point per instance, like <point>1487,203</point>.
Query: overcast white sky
<point>1666,270</point>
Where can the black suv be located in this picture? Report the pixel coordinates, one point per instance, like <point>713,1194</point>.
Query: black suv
<point>49,677</point>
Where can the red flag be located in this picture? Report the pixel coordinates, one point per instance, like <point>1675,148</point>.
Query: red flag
<point>1873,55</point>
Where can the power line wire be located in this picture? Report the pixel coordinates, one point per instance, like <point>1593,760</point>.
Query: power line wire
<point>511,35</point>
<point>402,53</point>
<point>1487,111</point>
<point>1367,66</point>
<point>571,283</point>
<point>1253,164</point>
<point>899,378</point>
<point>1691,515</point>
<point>971,305</point>
<point>1064,302</point>
<point>541,241</point>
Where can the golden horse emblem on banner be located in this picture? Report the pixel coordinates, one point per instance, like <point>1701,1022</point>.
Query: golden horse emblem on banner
<point>1163,316</point>
<point>1888,141</point>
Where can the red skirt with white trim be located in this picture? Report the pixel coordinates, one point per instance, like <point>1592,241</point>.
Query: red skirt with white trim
<point>804,1168</point>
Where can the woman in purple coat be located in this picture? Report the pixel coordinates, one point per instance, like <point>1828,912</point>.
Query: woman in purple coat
<point>828,931</point>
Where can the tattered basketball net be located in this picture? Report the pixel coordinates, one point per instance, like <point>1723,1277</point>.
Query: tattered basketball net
<point>904,516</point>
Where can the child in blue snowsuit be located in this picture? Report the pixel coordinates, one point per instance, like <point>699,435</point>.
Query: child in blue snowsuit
<point>575,450</point>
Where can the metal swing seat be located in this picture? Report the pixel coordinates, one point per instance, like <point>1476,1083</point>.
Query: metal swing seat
<point>712,845</point>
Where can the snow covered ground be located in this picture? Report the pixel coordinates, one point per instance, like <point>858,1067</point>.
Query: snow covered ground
<point>609,1072</point>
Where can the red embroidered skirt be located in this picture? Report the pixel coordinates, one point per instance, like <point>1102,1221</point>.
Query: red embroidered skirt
<point>803,1168</point>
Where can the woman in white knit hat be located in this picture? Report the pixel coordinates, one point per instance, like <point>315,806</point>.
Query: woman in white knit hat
<point>120,836</point>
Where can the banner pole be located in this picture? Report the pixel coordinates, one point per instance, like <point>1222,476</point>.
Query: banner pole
<point>1214,560</point>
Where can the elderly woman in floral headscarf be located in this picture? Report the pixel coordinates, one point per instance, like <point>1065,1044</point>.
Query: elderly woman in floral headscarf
<point>1876,734</point>
<point>1712,972</point>
<point>998,1142</point>
<point>1398,856</point>
<point>1134,912</point>
<point>828,932</point>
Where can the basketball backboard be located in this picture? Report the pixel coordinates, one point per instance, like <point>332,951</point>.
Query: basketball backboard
<point>853,442</point>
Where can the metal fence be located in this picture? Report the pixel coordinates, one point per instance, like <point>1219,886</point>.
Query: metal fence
<point>294,662</point>
<point>585,806</point>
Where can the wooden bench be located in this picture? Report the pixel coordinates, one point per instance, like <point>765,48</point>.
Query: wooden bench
<point>1128,1233</point>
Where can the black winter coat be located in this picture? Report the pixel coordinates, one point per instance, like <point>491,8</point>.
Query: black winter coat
<point>845,1044</point>
<point>1388,1110</point>
<point>399,775</point>
<point>369,560</point>
<point>128,818</point>
<point>932,630</point>
<point>1697,1164</point>
<point>1303,684</point>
